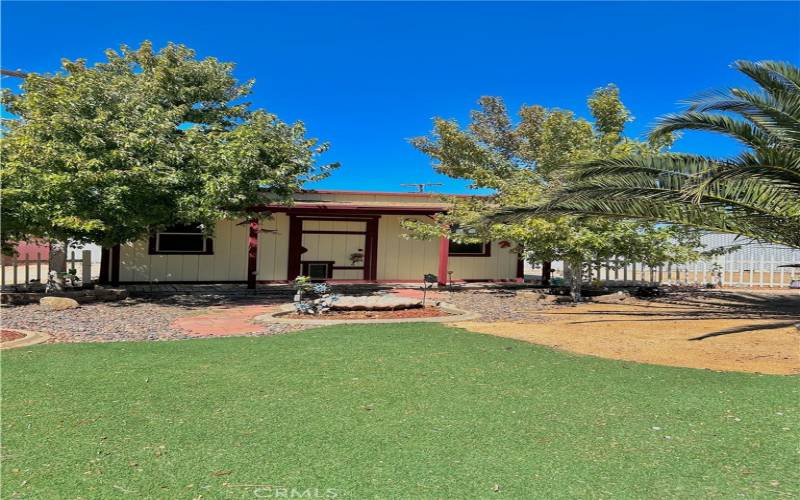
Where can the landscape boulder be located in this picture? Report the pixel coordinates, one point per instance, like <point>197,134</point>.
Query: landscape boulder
<point>611,298</point>
<point>374,303</point>
<point>57,303</point>
<point>532,294</point>
<point>557,299</point>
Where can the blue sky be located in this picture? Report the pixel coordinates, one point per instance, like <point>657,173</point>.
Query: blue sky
<point>367,76</point>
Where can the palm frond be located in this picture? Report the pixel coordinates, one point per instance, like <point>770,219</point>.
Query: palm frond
<point>755,194</point>
<point>740,130</point>
<point>771,75</point>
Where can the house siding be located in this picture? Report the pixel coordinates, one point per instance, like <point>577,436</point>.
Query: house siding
<point>273,248</point>
<point>228,263</point>
<point>398,258</point>
<point>403,259</point>
<point>501,265</point>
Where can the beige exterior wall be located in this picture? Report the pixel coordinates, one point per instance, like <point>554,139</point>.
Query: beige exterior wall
<point>402,259</point>
<point>336,247</point>
<point>502,264</point>
<point>273,248</point>
<point>229,262</point>
<point>399,259</point>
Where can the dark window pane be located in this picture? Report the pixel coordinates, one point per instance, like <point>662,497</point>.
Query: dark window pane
<point>466,248</point>
<point>318,271</point>
<point>181,242</point>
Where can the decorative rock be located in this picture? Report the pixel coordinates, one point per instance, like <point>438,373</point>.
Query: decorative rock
<point>81,296</point>
<point>375,303</point>
<point>556,299</point>
<point>58,303</point>
<point>612,298</point>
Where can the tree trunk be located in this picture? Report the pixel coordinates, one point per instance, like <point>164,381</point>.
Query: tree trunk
<point>576,273</point>
<point>58,264</point>
<point>547,270</point>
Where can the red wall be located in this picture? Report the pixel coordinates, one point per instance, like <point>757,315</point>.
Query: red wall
<point>31,249</point>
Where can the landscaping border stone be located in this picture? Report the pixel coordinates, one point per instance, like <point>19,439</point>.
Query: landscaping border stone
<point>455,315</point>
<point>30,338</point>
<point>80,296</point>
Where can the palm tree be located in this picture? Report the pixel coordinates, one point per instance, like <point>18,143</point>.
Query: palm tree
<point>756,194</point>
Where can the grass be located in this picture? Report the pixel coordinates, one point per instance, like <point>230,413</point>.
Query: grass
<point>412,411</point>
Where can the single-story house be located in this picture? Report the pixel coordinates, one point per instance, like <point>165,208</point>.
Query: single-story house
<point>347,236</point>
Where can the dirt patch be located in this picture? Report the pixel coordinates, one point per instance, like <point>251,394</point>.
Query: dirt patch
<point>9,335</point>
<point>746,332</point>
<point>427,312</point>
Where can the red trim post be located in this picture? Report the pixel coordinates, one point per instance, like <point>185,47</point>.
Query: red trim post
<point>371,254</point>
<point>295,247</point>
<point>521,269</point>
<point>444,252</point>
<point>252,254</point>
<point>115,265</point>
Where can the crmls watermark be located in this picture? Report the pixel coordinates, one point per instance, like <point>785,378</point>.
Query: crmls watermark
<point>268,491</point>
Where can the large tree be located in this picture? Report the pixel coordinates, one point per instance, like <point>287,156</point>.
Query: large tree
<point>107,153</point>
<point>522,162</point>
<point>755,194</point>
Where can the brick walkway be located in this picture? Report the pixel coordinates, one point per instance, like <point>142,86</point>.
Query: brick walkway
<point>224,322</point>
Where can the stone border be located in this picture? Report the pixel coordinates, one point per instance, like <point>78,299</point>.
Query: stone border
<point>11,298</point>
<point>30,338</point>
<point>455,316</point>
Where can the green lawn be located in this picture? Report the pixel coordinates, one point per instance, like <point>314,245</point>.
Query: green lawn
<point>412,411</point>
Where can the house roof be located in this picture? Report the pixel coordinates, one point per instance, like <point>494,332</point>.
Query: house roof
<point>363,202</point>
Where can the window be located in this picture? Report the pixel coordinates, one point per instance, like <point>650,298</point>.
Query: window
<point>317,270</point>
<point>181,239</point>
<point>470,249</point>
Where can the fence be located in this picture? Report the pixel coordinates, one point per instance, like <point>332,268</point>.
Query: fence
<point>21,268</point>
<point>757,272</point>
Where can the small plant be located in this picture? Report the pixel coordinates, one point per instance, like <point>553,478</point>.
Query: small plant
<point>56,281</point>
<point>427,281</point>
<point>312,298</point>
<point>356,257</point>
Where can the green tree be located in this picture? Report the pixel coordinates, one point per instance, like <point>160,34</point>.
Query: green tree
<point>755,194</point>
<point>521,163</point>
<point>143,140</point>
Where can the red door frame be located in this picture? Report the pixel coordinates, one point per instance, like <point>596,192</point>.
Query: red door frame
<point>370,267</point>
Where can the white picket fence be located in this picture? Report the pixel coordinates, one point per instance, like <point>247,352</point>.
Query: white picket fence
<point>27,268</point>
<point>727,272</point>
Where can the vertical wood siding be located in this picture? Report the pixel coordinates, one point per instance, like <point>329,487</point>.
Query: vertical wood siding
<point>502,264</point>
<point>273,248</point>
<point>398,258</point>
<point>335,247</point>
<point>402,259</point>
<point>228,263</point>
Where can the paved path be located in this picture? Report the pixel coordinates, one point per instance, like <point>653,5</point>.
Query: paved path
<point>229,321</point>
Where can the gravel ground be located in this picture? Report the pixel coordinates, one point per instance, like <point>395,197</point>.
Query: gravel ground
<point>497,304</point>
<point>150,319</point>
<point>131,319</point>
